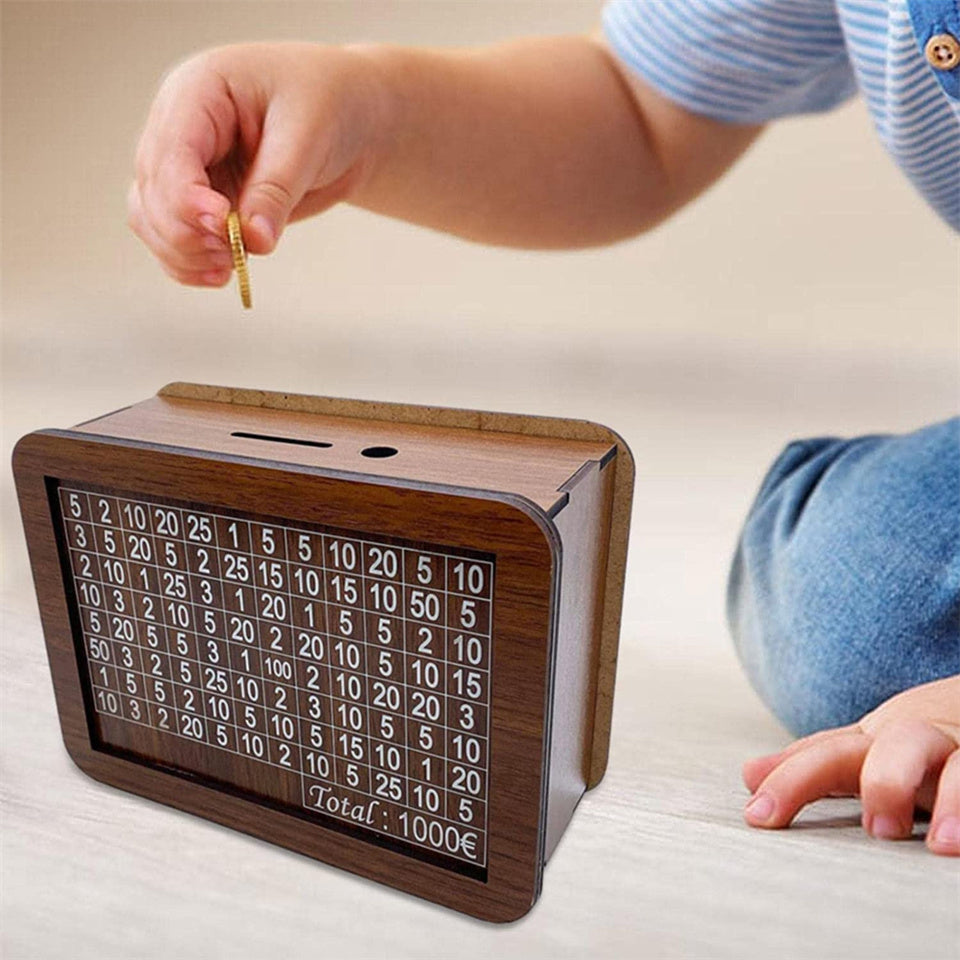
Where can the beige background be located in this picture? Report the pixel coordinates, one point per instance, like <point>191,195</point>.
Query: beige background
<point>810,292</point>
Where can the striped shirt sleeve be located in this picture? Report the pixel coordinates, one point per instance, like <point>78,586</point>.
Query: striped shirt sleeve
<point>739,61</point>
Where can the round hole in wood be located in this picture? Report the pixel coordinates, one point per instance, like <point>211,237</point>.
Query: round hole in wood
<point>379,452</point>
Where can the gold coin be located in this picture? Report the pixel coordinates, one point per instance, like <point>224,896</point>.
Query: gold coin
<point>239,253</point>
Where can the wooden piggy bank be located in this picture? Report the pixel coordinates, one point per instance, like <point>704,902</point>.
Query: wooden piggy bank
<point>381,635</point>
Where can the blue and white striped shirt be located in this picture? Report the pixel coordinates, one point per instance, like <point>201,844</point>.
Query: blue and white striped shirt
<point>749,61</point>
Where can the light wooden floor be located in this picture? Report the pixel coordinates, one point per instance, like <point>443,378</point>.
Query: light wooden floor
<point>657,862</point>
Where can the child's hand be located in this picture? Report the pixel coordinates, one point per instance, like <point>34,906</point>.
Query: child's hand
<point>905,754</point>
<point>280,131</point>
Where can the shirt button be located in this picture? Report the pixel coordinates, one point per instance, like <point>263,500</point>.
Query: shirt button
<point>942,51</point>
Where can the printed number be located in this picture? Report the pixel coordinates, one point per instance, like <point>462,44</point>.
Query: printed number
<point>108,701</point>
<point>311,645</point>
<point>466,781</point>
<point>387,757</point>
<point>191,726</point>
<point>271,574</point>
<point>283,726</point>
<point>90,594</point>
<point>304,550</point>
<point>236,568</point>
<point>318,764</point>
<point>348,654</point>
<point>273,606</point>
<point>426,673</point>
<point>466,748</point>
<point>465,810</point>
<point>469,578</point>
<point>468,649</point>
<point>426,640</point>
<point>345,589</point>
<point>385,786</point>
<point>267,541</point>
<point>115,572</point>
<point>468,683</point>
<point>75,508</point>
<point>424,705</point>
<point>139,548</point>
<point>99,649</point>
<point>252,743</point>
<point>136,516</point>
<point>468,616</point>
<point>386,696</point>
<point>307,581</point>
<point>344,555</point>
<point>174,585</point>
<point>424,606</point>
<point>167,521</point>
<point>383,562</point>
<point>350,716</point>
<point>384,596</point>
<point>427,798</point>
<point>199,528</point>
<point>241,629</point>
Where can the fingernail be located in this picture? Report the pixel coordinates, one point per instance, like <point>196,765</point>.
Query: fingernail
<point>263,226</point>
<point>946,835</point>
<point>215,277</point>
<point>760,808</point>
<point>886,828</point>
<point>209,222</point>
<point>213,243</point>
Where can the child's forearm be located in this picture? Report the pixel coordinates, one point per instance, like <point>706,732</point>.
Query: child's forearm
<point>533,143</point>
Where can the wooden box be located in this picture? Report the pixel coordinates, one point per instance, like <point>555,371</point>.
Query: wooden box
<point>381,635</point>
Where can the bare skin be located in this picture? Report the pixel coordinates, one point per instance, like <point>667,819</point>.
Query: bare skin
<point>534,143</point>
<point>904,754</point>
<point>542,143</point>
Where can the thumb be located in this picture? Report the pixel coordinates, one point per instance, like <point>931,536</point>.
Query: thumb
<point>279,177</point>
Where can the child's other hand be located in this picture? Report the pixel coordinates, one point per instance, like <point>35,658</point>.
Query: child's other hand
<point>280,131</point>
<point>904,754</point>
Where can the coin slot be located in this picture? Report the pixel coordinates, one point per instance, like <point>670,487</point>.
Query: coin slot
<point>296,440</point>
<point>379,453</point>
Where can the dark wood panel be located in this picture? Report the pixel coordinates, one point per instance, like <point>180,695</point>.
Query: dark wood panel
<point>522,636</point>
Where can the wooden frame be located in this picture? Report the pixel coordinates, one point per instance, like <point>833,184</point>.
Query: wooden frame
<point>529,554</point>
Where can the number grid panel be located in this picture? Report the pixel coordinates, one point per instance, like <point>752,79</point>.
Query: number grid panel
<point>148,524</point>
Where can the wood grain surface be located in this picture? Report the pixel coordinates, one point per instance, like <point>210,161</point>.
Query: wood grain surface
<point>527,550</point>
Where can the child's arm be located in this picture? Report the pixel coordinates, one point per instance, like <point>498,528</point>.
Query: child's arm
<point>906,753</point>
<point>534,143</point>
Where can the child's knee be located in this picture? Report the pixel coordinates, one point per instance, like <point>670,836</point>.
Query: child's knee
<point>844,589</point>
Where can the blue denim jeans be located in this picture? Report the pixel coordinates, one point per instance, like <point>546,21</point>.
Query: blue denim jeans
<point>845,586</point>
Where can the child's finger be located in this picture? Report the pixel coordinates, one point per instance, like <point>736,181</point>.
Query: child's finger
<point>757,769</point>
<point>202,253</point>
<point>829,765</point>
<point>943,837</point>
<point>902,755</point>
<point>192,125</point>
<point>282,171</point>
<point>184,215</point>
